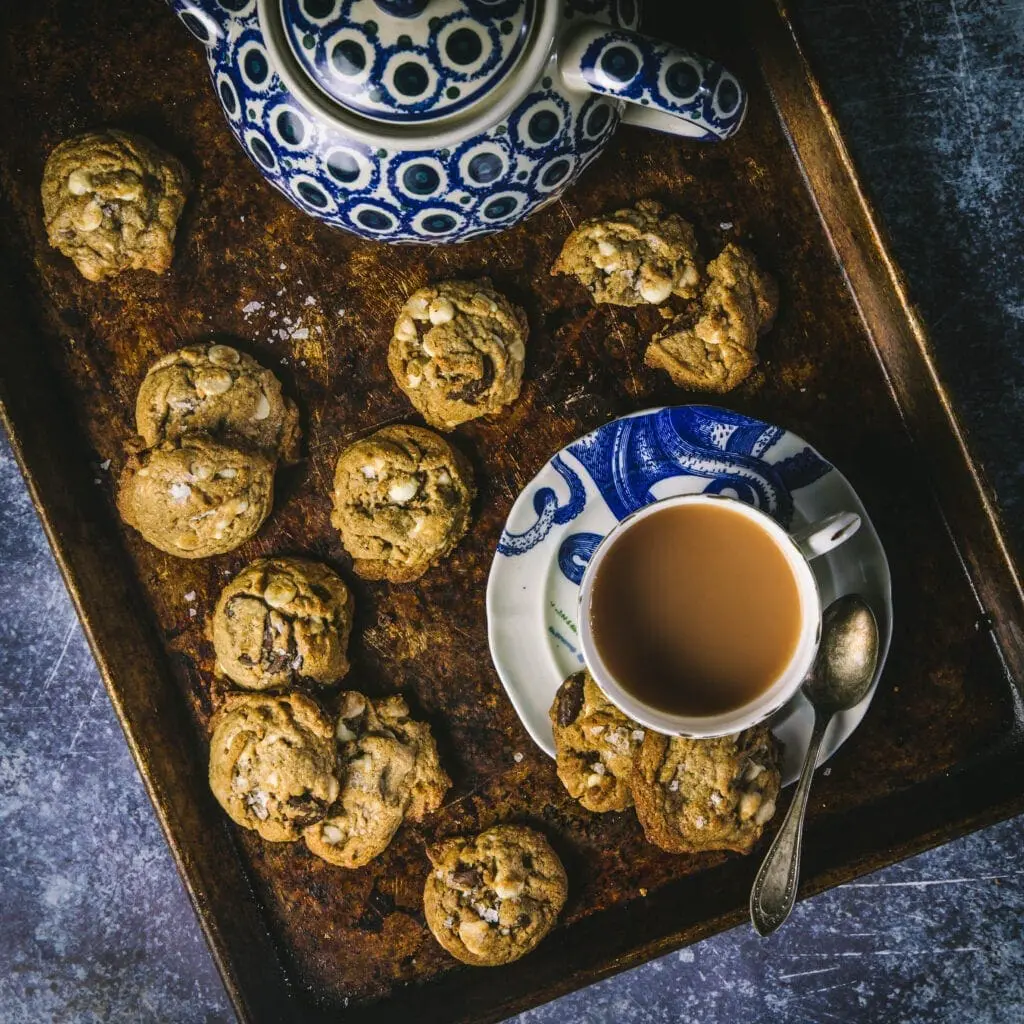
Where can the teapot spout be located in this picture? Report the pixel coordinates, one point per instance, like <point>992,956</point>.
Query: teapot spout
<point>205,19</point>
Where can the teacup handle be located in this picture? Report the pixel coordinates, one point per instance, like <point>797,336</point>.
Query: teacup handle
<point>668,88</point>
<point>821,537</point>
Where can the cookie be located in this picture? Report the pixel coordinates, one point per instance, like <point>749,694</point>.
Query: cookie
<point>713,794</point>
<point>635,256</point>
<point>713,347</point>
<point>401,502</point>
<point>389,771</point>
<point>111,202</point>
<point>491,898</point>
<point>457,351</point>
<point>272,763</point>
<point>216,389</point>
<point>281,620</point>
<point>594,745</point>
<point>196,497</point>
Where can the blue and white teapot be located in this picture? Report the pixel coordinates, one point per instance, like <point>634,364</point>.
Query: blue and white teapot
<point>440,120</point>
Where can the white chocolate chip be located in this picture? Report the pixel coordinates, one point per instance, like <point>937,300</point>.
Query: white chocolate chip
<point>79,182</point>
<point>279,592</point>
<point>179,492</point>
<point>637,735</point>
<point>213,382</point>
<point>413,380</point>
<point>90,217</point>
<point>227,473</point>
<point>241,506</point>
<point>752,772</point>
<point>369,472</point>
<point>405,329</point>
<point>262,407</point>
<point>443,478</point>
<point>441,311</point>
<point>343,733</point>
<point>656,290</point>
<point>674,786</point>
<point>598,768</point>
<point>353,705</point>
<point>402,491</point>
<point>699,822</point>
<point>593,780</point>
<point>516,351</point>
<point>606,248</point>
<point>201,471</point>
<point>331,834</point>
<point>749,805</point>
<point>418,307</point>
<point>764,812</point>
<point>223,355</point>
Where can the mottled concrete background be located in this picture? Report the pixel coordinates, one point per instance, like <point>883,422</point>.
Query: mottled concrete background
<point>95,923</point>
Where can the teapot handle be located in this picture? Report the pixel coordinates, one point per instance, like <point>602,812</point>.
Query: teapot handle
<point>667,88</point>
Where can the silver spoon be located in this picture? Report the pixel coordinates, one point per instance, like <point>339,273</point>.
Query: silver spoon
<point>840,678</point>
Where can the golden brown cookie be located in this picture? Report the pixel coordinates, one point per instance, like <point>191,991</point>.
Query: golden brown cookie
<point>635,256</point>
<point>458,350</point>
<point>713,794</point>
<point>281,620</point>
<point>217,390</point>
<point>197,497</point>
<point>595,744</point>
<point>272,763</point>
<point>401,502</point>
<point>713,347</point>
<point>389,772</point>
<point>491,898</point>
<point>111,202</point>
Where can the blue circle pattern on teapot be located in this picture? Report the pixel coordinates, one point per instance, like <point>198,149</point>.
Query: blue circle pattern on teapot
<point>484,184</point>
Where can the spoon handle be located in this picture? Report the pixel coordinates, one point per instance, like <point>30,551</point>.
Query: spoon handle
<point>774,892</point>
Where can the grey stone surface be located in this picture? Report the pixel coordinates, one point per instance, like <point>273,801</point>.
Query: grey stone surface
<point>95,923</point>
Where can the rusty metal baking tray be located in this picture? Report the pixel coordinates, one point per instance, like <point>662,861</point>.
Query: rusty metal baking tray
<point>848,367</point>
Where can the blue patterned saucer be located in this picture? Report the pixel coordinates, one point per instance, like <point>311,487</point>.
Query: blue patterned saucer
<point>563,514</point>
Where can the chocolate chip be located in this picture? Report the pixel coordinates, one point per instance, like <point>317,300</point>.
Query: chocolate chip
<point>475,388</point>
<point>468,878</point>
<point>570,699</point>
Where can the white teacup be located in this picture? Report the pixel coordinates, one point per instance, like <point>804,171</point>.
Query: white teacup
<point>798,548</point>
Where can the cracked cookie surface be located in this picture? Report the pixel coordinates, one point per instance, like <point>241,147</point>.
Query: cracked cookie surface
<point>639,255</point>
<point>694,795</point>
<point>111,202</point>
<point>281,620</point>
<point>197,497</point>
<point>401,502</point>
<point>389,771</point>
<point>216,389</point>
<point>713,347</point>
<point>457,351</point>
<point>491,898</point>
<point>272,763</point>
<point>595,744</point>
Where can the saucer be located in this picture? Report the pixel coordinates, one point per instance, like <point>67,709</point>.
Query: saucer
<point>565,511</point>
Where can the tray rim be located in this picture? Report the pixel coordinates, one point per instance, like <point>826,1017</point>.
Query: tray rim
<point>245,954</point>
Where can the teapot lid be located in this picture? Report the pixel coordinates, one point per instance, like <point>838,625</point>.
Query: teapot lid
<point>406,61</point>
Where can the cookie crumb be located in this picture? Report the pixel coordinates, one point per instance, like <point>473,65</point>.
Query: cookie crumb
<point>643,892</point>
<point>518,756</point>
<point>191,613</point>
<point>190,596</point>
<point>105,465</point>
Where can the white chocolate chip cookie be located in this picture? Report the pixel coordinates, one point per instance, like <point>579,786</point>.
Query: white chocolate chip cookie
<point>457,351</point>
<point>281,620</point>
<point>491,898</point>
<point>196,498</point>
<point>389,771</point>
<point>635,256</point>
<point>111,202</point>
<point>711,794</point>
<point>272,763</point>
<point>713,347</point>
<point>220,391</point>
<point>401,502</point>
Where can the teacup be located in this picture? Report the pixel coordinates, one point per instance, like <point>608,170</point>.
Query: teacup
<point>796,620</point>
